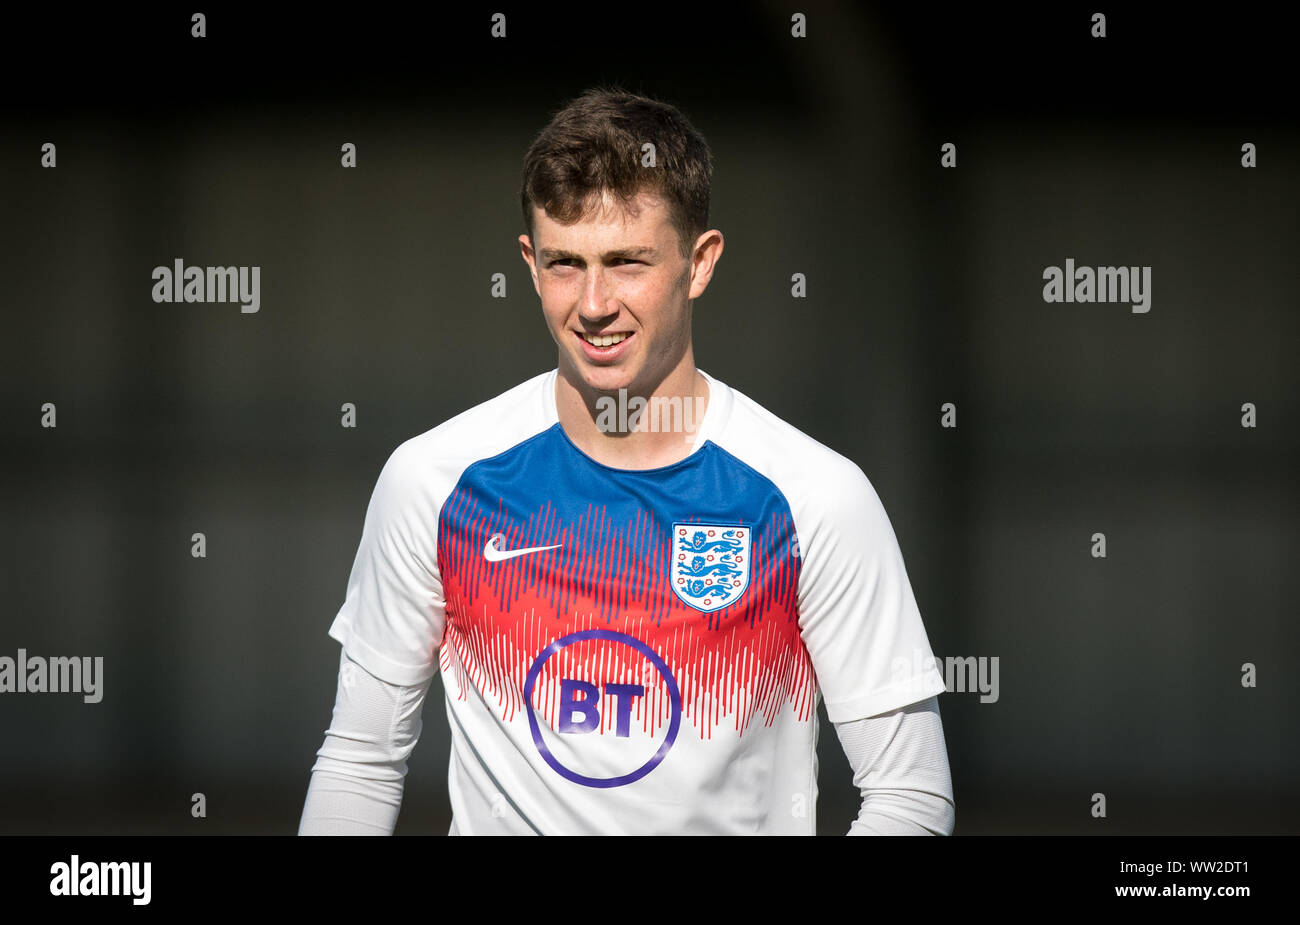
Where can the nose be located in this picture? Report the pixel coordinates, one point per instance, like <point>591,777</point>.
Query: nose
<point>598,300</point>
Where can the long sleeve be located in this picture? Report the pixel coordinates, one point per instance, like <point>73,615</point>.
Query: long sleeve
<point>900,764</point>
<point>360,771</point>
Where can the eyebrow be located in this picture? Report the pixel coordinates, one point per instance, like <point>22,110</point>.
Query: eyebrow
<point>554,253</point>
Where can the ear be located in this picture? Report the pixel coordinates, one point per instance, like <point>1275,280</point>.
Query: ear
<point>526,249</point>
<point>708,250</point>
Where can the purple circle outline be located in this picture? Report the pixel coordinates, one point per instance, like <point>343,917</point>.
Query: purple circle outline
<point>674,695</point>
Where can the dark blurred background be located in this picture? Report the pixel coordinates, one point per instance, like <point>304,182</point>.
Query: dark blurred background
<point>1118,675</point>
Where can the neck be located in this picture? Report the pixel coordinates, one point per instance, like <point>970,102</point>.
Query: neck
<point>635,430</point>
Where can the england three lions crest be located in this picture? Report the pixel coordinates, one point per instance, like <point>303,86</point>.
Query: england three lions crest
<point>710,564</point>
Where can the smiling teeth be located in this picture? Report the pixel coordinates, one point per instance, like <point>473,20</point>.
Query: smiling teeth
<point>605,340</point>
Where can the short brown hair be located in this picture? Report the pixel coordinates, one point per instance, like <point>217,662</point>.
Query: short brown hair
<point>594,144</point>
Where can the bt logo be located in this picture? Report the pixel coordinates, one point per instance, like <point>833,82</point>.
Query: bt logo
<point>588,706</point>
<point>580,707</point>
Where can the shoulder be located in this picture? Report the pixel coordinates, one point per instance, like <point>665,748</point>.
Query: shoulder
<point>430,463</point>
<point>815,479</point>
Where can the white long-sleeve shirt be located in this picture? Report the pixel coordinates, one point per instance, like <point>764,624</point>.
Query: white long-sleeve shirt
<point>634,650</point>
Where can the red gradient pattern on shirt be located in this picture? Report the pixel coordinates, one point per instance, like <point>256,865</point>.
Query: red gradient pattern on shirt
<point>739,663</point>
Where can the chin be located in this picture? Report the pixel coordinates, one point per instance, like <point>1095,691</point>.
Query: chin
<point>606,379</point>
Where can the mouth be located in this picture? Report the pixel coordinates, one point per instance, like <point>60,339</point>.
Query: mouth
<point>604,346</point>
<point>605,340</point>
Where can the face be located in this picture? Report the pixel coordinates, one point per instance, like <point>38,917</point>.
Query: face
<point>618,278</point>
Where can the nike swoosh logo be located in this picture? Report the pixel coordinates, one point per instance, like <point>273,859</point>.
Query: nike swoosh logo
<point>493,554</point>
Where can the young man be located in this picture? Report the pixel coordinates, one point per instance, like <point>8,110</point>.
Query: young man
<point>635,582</point>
